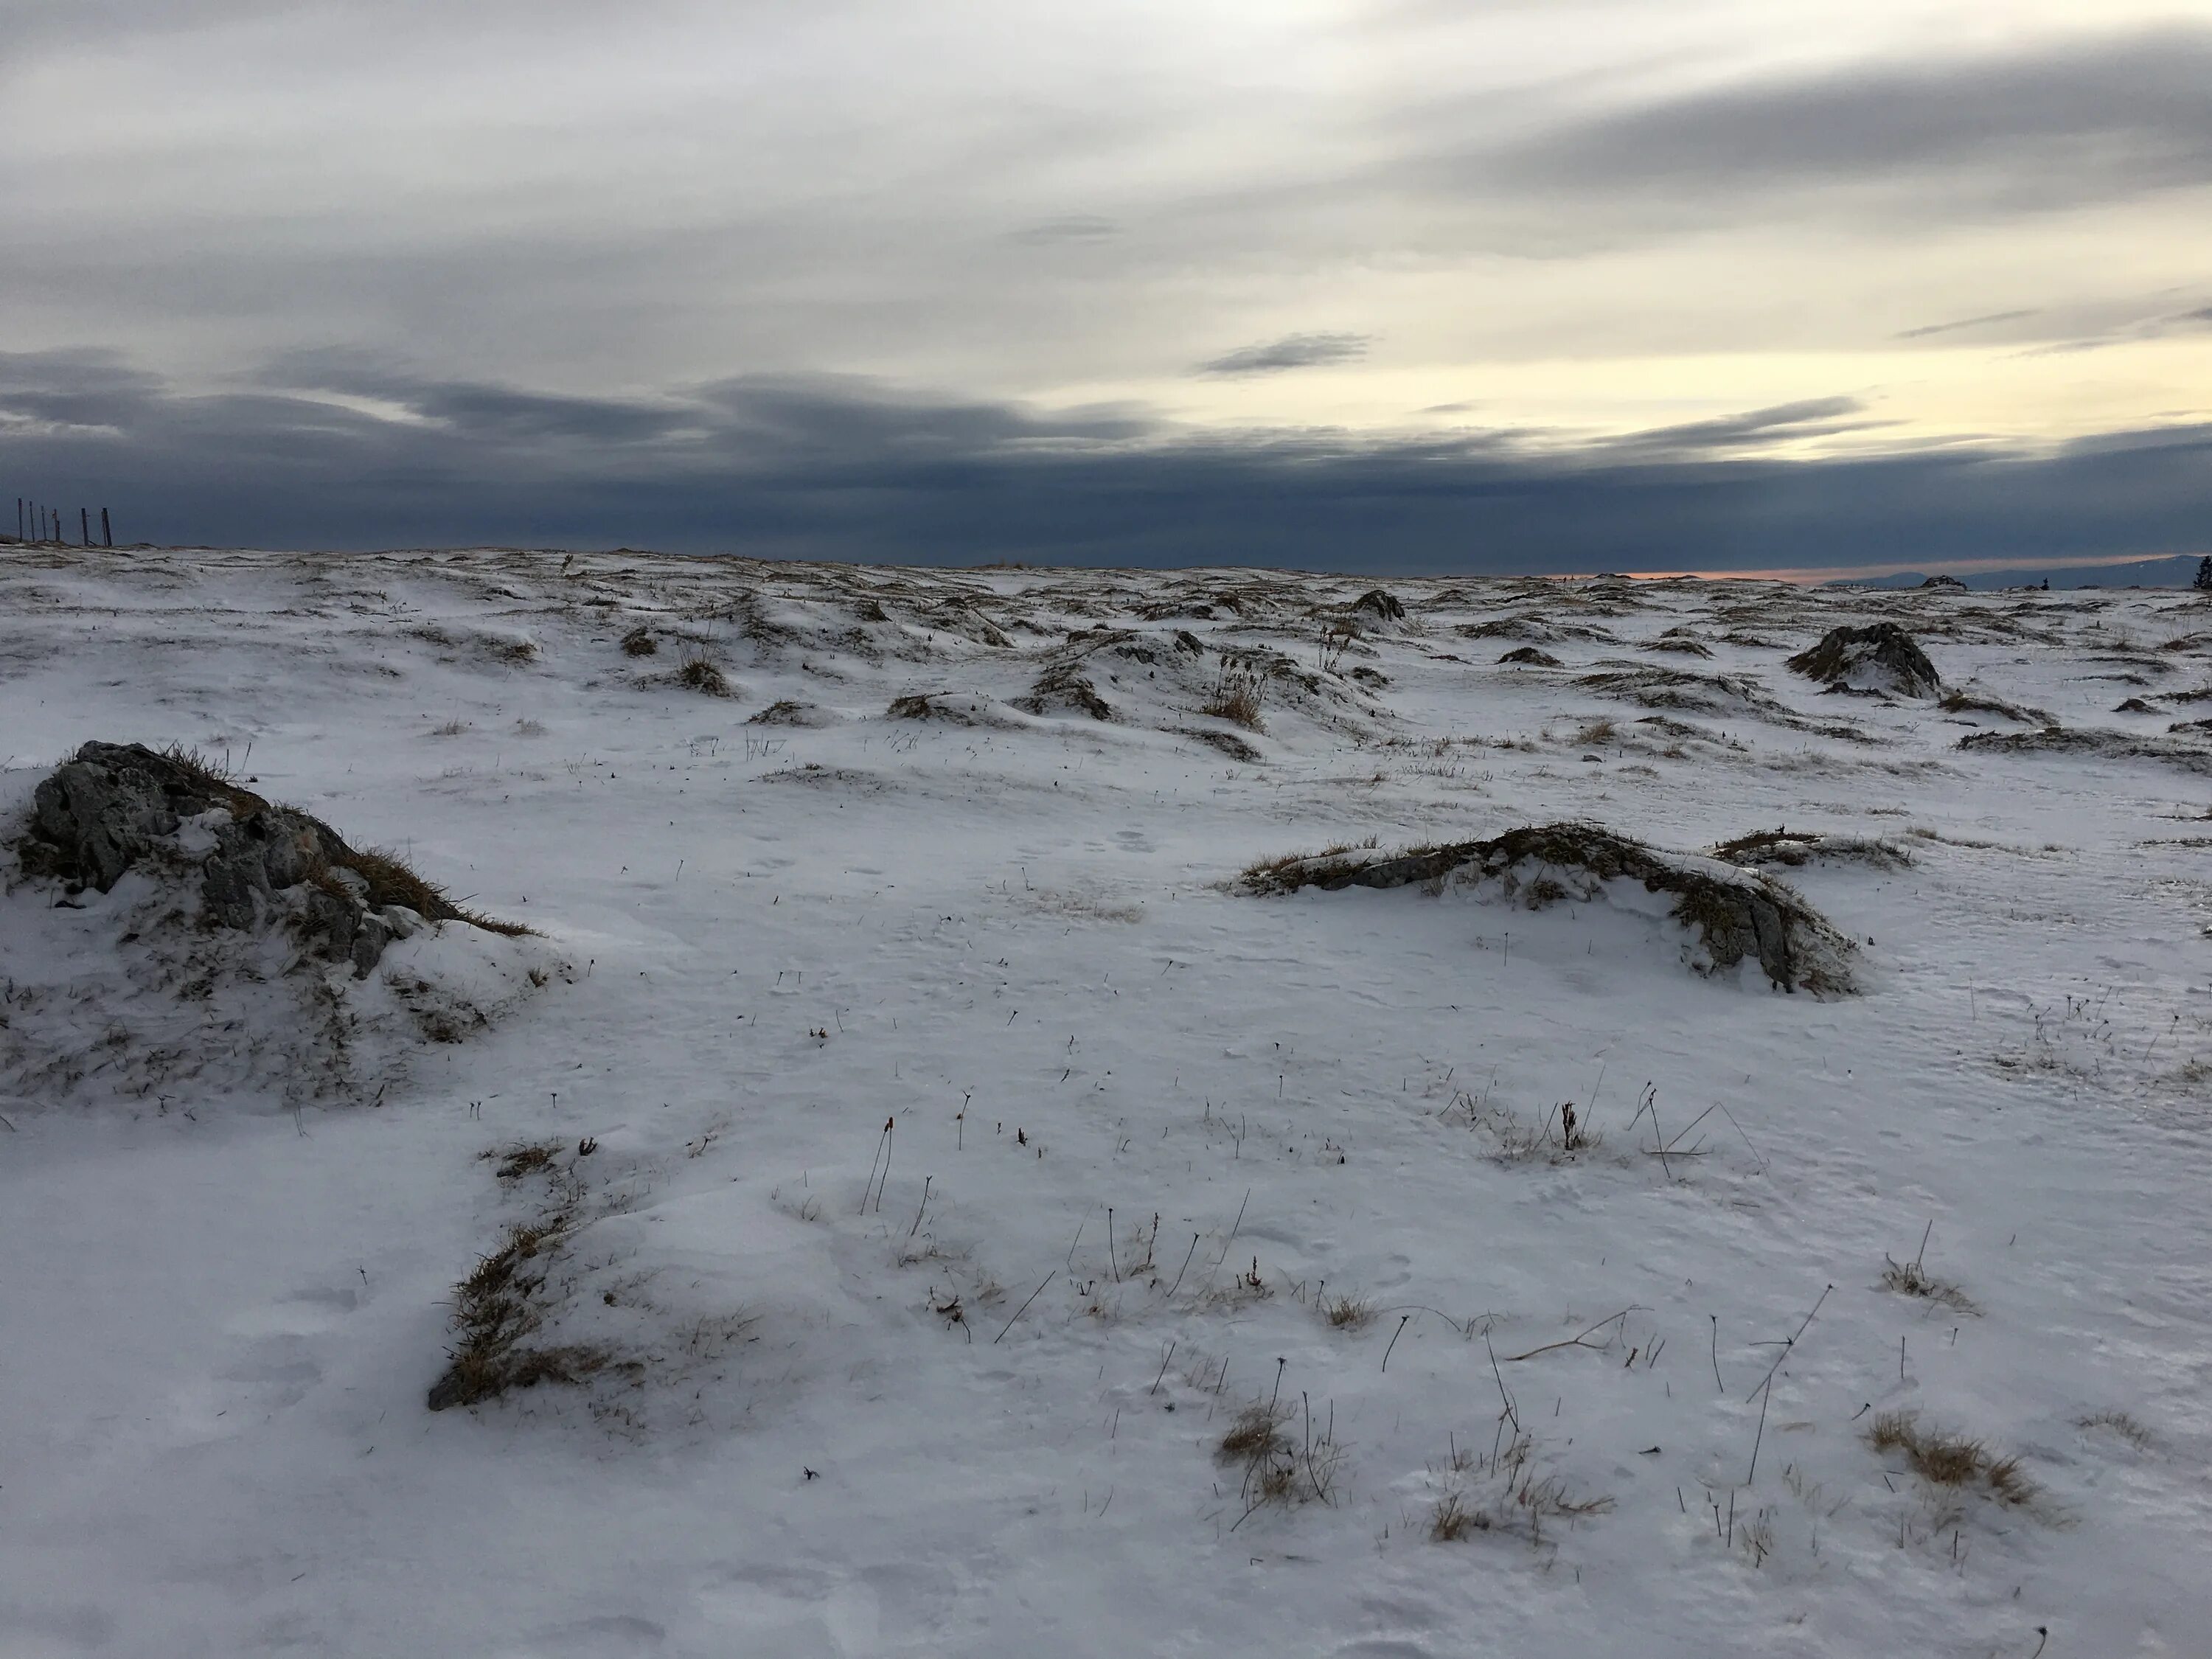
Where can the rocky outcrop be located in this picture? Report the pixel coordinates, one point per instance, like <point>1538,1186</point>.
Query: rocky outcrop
<point>1733,912</point>
<point>115,807</point>
<point>1881,657</point>
<point>1381,603</point>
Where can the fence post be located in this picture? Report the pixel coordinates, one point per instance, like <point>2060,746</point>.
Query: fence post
<point>107,535</point>
<point>84,526</point>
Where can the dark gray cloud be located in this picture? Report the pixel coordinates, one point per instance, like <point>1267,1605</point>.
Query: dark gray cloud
<point>2068,122</point>
<point>1291,351</point>
<point>841,468</point>
<point>474,410</point>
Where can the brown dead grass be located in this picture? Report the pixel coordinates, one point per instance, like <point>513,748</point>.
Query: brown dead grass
<point>216,780</point>
<point>391,881</point>
<point>1256,1432</point>
<point>497,1307</point>
<point>1261,868</point>
<point>1513,1499</point>
<point>1278,1468</point>
<point>1348,1313</point>
<point>700,674</point>
<point>1237,698</point>
<point>1955,1461</point>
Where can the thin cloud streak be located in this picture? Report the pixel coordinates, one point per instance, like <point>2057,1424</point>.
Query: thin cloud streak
<point>1291,351</point>
<point>1994,316</point>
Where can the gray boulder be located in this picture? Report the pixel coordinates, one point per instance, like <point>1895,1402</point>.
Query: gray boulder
<point>114,807</point>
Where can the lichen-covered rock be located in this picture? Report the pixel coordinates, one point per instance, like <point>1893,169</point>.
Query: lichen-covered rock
<point>1881,657</point>
<point>114,806</point>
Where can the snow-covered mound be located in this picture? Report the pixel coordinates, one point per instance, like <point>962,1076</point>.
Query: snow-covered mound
<point>1727,912</point>
<point>2184,745</point>
<point>1881,657</point>
<point>173,938</point>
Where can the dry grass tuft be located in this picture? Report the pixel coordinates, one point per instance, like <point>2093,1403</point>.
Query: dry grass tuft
<point>1278,1468</point>
<point>1248,1287</point>
<point>1256,1433</point>
<point>393,882</point>
<point>1348,1313</point>
<point>1260,869</point>
<point>1952,1461</point>
<point>494,1309</point>
<point>215,779</point>
<point>639,642</point>
<point>699,673</point>
<point>2121,1424</point>
<point>519,1161</point>
<point>1452,1520</point>
<point>1561,1138</point>
<point>1911,1279</point>
<point>1517,1501</point>
<point>1235,698</point>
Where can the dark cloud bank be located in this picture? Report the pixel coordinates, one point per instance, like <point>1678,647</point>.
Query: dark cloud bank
<point>830,468</point>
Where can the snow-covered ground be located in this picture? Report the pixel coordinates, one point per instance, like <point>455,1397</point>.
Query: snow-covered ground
<point>1146,1132</point>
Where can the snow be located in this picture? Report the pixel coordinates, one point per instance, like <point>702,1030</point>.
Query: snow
<point>1015,936</point>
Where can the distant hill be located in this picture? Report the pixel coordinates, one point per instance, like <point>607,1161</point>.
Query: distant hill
<point>2177,571</point>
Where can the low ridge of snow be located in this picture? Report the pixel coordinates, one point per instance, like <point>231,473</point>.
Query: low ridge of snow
<point>948,1151</point>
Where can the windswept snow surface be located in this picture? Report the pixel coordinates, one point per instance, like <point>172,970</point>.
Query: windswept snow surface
<point>934,1411</point>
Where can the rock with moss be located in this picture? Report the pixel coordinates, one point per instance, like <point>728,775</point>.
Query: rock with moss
<point>112,808</point>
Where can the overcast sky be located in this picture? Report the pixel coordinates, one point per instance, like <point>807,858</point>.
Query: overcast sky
<point>1408,285</point>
